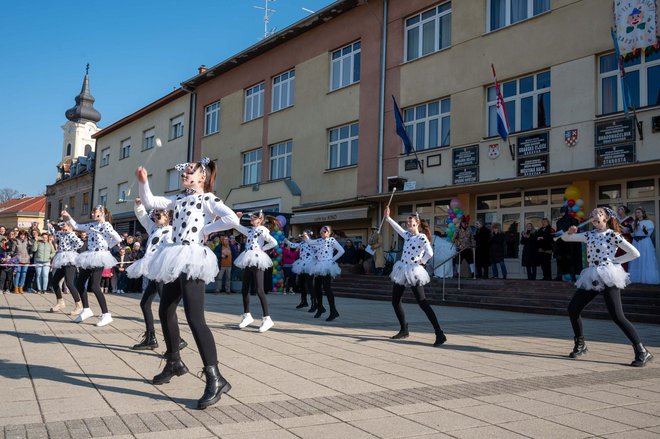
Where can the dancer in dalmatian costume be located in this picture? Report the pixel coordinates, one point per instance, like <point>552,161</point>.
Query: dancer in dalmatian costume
<point>101,237</point>
<point>410,270</point>
<point>325,268</point>
<point>604,275</point>
<point>303,267</point>
<point>185,265</point>
<point>64,266</point>
<point>254,261</point>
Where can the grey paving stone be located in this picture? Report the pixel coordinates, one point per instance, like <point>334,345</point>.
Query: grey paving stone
<point>203,417</point>
<point>237,416</point>
<point>135,424</point>
<point>152,422</point>
<point>169,420</point>
<point>115,425</point>
<point>185,418</point>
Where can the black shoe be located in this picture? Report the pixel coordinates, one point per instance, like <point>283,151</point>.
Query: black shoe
<point>302,305</point>
<point>312,309</point>
<point>333,315</point>
<point>319,311</point>
<point>440,338</point>
<point>579,349</point>
<point>173,367</point>
<point>182,344</point>
<point>216,385</point>
<point>148,342</point>
<point>403,333</point>
<point>642,356</point>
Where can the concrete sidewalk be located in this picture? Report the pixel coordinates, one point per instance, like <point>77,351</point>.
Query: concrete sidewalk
<point>499,375</point>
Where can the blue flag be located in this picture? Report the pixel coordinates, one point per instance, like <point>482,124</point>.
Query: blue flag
<point>400,129</point>
<point>625,91</point>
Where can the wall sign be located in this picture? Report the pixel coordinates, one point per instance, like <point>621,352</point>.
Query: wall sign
<point>433,160</point>
<point>533,166</point>
<point>533,145</point>
<point>614,131</point>
<point>411,164</point>
<point>615,155</point>
<point>466,175</point>
<point>468,156</point>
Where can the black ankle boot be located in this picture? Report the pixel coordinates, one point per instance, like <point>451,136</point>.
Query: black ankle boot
<point>216,385</point>
<point>302,304</point>
<point>642,356</point>
<point>182,344</point>
<point>173,367</point>
<point>148,342</point>
<point>440,338</point>
<point>333,315</point>
<point>579,349</point>
<point>403,333</point>
<point>320,310</point>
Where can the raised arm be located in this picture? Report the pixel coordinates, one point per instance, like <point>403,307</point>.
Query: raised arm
<point>571,236</point>
<point>149,200</point>
<point>339,248</point>
<point>397,228</point>
<point>292,245</point>
<point>143,217</point>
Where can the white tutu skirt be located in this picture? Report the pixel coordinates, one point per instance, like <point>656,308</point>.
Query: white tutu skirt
<point>254,258</point>
<point>300,267</point>
<point>325,268</point>
<point>62,259</point>
<point>405,274</point>
<point>138,268</point>
<point>95,259</point>
<point>599,277</point>
<point>197,261</point>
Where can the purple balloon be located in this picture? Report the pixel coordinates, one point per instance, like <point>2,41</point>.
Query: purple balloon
<point>281,219</point>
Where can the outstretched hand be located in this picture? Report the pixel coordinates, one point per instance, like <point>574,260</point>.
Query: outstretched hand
<point>571,230</point>
<point>386,212</point>
<point>138,201</point>
<point>65,215</point>
<point>141,174</point>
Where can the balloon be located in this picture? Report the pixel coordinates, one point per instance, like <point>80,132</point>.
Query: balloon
<point>571,213</point>
<point>454,203</point>
<point>281,219</point>
<point>580,214</point>
<point>572,193</point>
<point>571,203</point>
<point>459,215</point>
<point>579,202</point>
<point>576,208</point>
<point>448,220</point>
<point>455,220</point>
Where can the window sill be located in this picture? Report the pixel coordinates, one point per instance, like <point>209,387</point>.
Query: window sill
<point>177,137</point>
<point>444,49</point>
<point>281,109</point>
<point>277,180</point>
<point>342,88</point>
<point>124,158</point>
<point>622,113</point>
<point>252,120</point>
<point>507,26</point>
<point>146,149</point>
<point>210,134</point>
<point>341,168</point>
<point>519,133</point>
<point>103,166</point>
<point>422,151</point>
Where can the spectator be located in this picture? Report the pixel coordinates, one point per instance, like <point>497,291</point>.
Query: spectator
<point>43,251</point>
<point>22,253</point>
<point>363,258</point>
<point>214,242</point>
<point>5,271</point>
<point>136,253</point>
<point>497,250</point>
<point>544,242</point>
<point>349,254</point>
<point>225,259</point>
<point>529,253</point>
<point>644,269</point>
<point>482,250</point>
<point>123,259</point>
<point>289,256</point>
<point>464,243</point>
<point>30,276</point>
<point>376,245</point>
<point>568,254</point>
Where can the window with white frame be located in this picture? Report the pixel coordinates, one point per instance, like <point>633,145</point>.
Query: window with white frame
<point>212,118</point>
<point>280,160</point>
<point>85,202</point>
<point>345,66</point>
<point>428,32</point>
<point>283,90</point>
<point>105,157</point>
<point>527,103</point>
<point>176,127</point>
<point>125,149</point>
<point>148,138</point>
<point>252,166</point>
<point>173,180</point>
<point>642,80</point>
<point>428,125</point>
<point>343,146</point>
<point>254,102</point>
<point>503,13</point>
<point>103,196</point>
<point>122,192</point>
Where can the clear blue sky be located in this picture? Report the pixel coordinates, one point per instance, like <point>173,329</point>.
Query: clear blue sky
<point>139,51</point>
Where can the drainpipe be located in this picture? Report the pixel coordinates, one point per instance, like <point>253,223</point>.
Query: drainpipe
<point>191,123</point>
<point>382,99</point>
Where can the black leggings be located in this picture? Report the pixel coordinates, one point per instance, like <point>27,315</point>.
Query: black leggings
<point>612,296</point>
<point>306,285</point>
<point>153,288</point>
<point>68,272</point>
<point>324,284</point>
<point>192,292</point>
<point>93,275</point>
<point>254,276</point>
<point>418,291</point>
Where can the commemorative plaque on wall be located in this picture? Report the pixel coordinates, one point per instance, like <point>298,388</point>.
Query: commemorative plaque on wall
<point>533,166</point>
<point>533,155</point>
<point>533,145</point>
<point>615,142</point>
<point>615,155</point>
<point>465,164</point>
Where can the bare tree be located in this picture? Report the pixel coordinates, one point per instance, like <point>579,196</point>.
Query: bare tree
<point>7,194</point>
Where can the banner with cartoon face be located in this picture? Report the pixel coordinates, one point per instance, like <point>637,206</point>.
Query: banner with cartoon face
<point>636,24</point>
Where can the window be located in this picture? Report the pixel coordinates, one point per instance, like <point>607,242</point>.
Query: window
<point>343,146</point>
<point>642,80</point>
<point>254,102</point>
<point>103,196</point>
<point>85,203</point>
<point>148,139</point>
<point>503,13</point>
<point>125,149</point>
<point>428,125</point>
<point>173,180</point>
<point>176,127</point>
<point>345,66</point>
<point>105,157</point>
<point>122,192</point>
<point>212,118</point>
<point>72,206</point>
<point>280,160</point>
<point>527,102</point>
<point>428,32</point>
<point>68,149</point>
<point>283,90</point>
<point>252,166</point>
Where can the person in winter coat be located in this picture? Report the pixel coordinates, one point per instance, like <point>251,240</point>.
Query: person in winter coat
<point>529,259</point>
<point>22,251</point>
<point>482,241</point>
<point>545,241</point>
<point>376,245</point>
<point>497,250</point>
<point>43,251</point>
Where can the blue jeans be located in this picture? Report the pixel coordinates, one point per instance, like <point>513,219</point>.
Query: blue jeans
<point>502,266</point>
<point>19,276</point>
<point>42,275</point>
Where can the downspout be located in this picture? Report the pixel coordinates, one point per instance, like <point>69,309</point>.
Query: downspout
<point>381,105</point>
<point>191,122</point>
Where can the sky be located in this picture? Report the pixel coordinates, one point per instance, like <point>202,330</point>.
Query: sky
<point>138,51</point>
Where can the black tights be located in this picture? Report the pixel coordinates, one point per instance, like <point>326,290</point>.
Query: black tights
<point>192,293</point>
<point>93,275</point>
<point>254,276</point>
<point>612,296</point>
<point>306,285</point>
<point>68,272</point>
<point>324,284</point>
<point>418,291</point>
<point>153,288</point>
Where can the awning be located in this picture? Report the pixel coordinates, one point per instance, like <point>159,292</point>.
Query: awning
<point>328,216</point>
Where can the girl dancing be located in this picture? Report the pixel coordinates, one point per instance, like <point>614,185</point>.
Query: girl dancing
<point>325,268</point>
<point>303,267</point>
<point>64,266</point>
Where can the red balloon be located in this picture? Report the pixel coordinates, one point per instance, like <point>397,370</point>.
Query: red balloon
<point>571,213</point>
<point>571,203</point>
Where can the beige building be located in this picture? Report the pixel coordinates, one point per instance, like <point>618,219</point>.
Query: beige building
<point>134,141</point>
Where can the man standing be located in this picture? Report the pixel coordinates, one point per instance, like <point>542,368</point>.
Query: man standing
<point>568,254</point>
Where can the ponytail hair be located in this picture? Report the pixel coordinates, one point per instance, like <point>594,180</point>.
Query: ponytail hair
<point>612,220</point>
<point>271,223</point>
<point>210,176</point>
<point>424,226</point>
<point>108,215</point>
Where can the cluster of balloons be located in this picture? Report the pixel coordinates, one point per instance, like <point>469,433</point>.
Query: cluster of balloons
<point>573,202</point>
<point>455,215</point>
<point>276,254</point>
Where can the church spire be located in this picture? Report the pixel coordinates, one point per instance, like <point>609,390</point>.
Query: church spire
<point>84,110</point>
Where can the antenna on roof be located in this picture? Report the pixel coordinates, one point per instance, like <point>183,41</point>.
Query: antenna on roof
<point>268,11</point>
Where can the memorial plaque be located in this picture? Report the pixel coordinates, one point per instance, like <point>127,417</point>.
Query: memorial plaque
<point>411,164</point>
<point>615,155</point>
<point>533,145</point>
<point>466,175</point>
<point>533,166</point>
<point>464,157</point>
<point>615,131</point>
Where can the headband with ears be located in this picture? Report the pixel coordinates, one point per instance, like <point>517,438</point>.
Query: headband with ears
<point>610,213</point>
<point>257,214</point>
<point>204,162</point>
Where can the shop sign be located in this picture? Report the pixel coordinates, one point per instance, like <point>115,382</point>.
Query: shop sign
<point>533,145</point>
<point>468,156</point>
<point>533,166</point>
<point>466,175</point>
<point>615,155</point>
<point>411,164</point>
<point>615,131</point>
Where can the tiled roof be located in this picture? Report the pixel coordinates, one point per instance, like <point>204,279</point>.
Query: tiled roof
<point>26,204</point>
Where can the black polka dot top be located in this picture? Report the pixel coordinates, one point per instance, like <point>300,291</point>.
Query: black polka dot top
<point>602,246</point>
<point>325,249</point>
<point>416,248</point>
<point>307,252</point>
<point>68,242</point>
<point>100,236</point>
<point>157,235</point>
<point>257,238</point>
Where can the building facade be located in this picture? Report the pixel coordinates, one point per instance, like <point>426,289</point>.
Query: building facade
<point>23,212</point>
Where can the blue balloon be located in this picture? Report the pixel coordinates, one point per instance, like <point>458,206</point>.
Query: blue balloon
<point>448,221</point>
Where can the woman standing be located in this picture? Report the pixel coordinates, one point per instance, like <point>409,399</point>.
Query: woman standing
<point>645,269</point>
<point>303,268</point>
<point>64,265</point>
<point>254,261</point>
<point>101,238</point>
<point>410,271</point>
<point>325,268</point>
<point>626,224</point>
<point>497,250</point>
<point>528,241</point>
<point>544,241</point>
<point>185,266</point>
<point>604,274</point>
<point>21,249</point>
<point>43,252</point>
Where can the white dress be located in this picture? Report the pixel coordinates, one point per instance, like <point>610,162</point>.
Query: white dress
<point>326,259</point>
<point>417,250</point>
<point>101,237</point>
<point>67,244</point>
<point>443,250</point>
<point>158,236</point>
<point>305,262</point>
<point>645,269</point>
<point>259,241</point>
<point>604,268</point>
<point>194,216</point>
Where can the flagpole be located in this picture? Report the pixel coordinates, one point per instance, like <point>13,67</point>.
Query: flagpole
<point>500,98</point>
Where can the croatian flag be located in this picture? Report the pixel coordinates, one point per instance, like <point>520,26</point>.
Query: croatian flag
<point>502,119</point>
